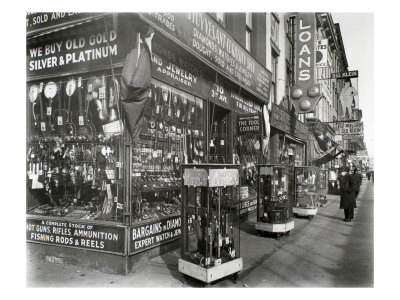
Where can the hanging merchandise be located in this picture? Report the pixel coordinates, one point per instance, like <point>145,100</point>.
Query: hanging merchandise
<point>135,82</point>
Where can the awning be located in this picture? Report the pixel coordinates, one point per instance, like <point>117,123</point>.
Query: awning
<point>327,156</point>
<point>321,156</point>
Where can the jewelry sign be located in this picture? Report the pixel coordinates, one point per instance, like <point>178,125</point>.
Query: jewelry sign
<point>202,35</point>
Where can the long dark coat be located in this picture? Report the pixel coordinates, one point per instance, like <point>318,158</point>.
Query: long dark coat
<point>347,192</point>
<point>357,180</point>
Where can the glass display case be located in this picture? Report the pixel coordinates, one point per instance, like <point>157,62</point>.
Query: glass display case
<point>323,181</point>
<point>274,201</point>
<point>333,181</point>
<point>306,191</point>
<point>210,240</point>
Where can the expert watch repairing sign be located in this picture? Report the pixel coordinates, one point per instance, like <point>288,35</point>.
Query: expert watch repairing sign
<point>146,236</point>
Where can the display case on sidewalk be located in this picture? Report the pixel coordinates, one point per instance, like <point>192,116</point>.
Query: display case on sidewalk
<point>323,183</point>
<point>274,209</point>
<point>306,191</point>
<point>210,241</point>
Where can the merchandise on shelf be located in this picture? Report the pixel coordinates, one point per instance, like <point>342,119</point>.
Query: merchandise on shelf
<point>72,160</point>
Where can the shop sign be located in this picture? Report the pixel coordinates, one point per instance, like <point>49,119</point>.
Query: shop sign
<point>337,138</point>
<point>146,236</point>
<point>351,128</point>
<point>77,235</point>
<point>36,22</point>
<point>344,75</point>
<point>244,104</point>
<point>220,93</point>
<point>282,120</point>
<point>223,177</point>
<point>195,177</point>
<point>305,53</point>
<point>322,53</point>
<point>248,124</point>
<point>247,206</point>
<point>362,153</point>
<point>76,52</point>
<point>204,36</point>
<point>171,66</point>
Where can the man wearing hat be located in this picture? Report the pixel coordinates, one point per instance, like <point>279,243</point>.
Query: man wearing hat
<point>347,194</point>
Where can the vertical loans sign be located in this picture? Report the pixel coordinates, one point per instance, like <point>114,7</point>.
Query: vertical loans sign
<point>305,49</point>
<point>306,93</point>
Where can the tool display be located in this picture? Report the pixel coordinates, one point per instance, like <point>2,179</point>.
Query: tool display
<point>210,240</point>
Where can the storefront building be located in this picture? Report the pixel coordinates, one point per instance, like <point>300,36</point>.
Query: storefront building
<point>104,146</point>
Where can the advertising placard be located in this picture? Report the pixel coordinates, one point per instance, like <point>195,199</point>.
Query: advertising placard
<point>322,53</point>
<point>76,50</point>
<point>282,120</point>
<point>149,235</point>
<point>248,124</point>
<point>65,233</point>
<point>351,128</point>
<point>171,66</point>
<point>223,177</point>
<point>42,21</point>
<point>204,36</point>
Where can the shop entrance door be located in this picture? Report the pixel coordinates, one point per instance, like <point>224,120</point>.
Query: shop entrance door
<point>220,137</point>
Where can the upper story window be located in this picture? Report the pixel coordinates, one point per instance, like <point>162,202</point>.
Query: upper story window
<point>249,29</point>
<point>221,17</point>
<point>275,29</point>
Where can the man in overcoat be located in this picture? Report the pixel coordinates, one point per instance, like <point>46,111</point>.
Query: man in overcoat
<point>347,194</point>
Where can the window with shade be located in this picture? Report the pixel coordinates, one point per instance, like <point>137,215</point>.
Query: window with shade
<point>221,17</point>
<point>275,29</point>
<point>249,29</point>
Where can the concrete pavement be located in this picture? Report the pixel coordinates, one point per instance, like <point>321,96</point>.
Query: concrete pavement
<point>323,252</point>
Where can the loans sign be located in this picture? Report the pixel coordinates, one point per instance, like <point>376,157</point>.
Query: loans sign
<point>305,49</point>
<point>202,35</point>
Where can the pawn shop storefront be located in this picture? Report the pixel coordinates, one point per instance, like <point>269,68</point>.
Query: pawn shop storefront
<point>104,181</point>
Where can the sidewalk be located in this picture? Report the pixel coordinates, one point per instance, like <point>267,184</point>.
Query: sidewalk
<point>323,252</point>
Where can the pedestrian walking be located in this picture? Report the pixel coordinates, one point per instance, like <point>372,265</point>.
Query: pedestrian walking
<point>372,176</point>
<point>347,194</point>
<point>357,181</point>
<point>369,175</point>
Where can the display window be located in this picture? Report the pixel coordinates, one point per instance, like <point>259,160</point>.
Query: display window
<point>172,133</point>
<point>73,159</point>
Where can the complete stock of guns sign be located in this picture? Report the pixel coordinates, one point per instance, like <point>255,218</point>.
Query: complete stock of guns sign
<point>77,235</point>
<point>202,35</point>
<point>88,48</point>
<point>150,235</point>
